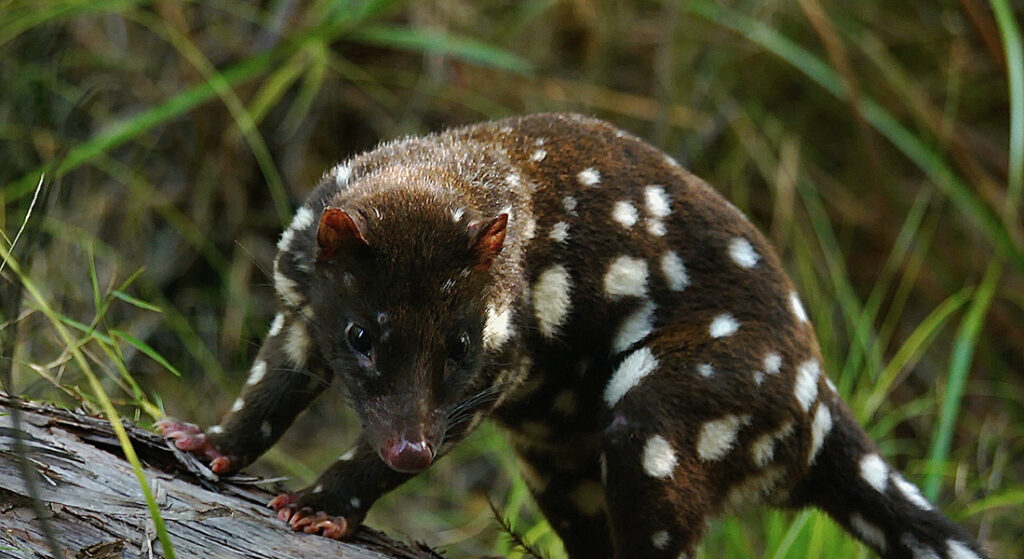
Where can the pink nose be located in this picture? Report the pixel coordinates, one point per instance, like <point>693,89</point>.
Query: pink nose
<point>408,457</point>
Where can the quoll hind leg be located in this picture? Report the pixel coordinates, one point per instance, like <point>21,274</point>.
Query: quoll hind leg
<point>659,500</point>
<point>568,491</point>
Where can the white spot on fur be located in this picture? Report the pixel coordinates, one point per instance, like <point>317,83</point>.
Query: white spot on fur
<point>675,271</point>
<point>634,328</point>
<point>868,532</point>
<point>723,325</point>
<point>743,253</point>
<point>658,202</point>
<point>718,436</point>
<point>917,549</point>
<point>588,498</point>
<point>297,343</point>
<point>238,405</point>
<point>319,488</point>
<point>303,219</point>
<point>589,177</point>
<point>806,387</point>
<point>457,214</point>
<point>659,457</point>
<point>552,299</point>
<point>266,429</point>
<point>569,203</point>
<point>629,373</point>
<point>340,174</point>
<point>874,471</point>
<point>797,306</point>
<point>529,228</point>
<point>705,370</point>
<point>258,371</point>
<point>348,455</point>
<point>539,155</point>
<point>772,363</point>
<point>820,427</point>
<point>514,181</point>
<point>660,539</point>
<point>910,492</point>
<point>276,325</point>
<point>959,550</point>
<point>497,327</point>
<point>763,448</point>
<point>559,232</point>
<point>215,430</point>
<point>287,289</point>
<point>656,227</point>
<point>626,276</point>
<point>355,502</point>
<point>625,213</point>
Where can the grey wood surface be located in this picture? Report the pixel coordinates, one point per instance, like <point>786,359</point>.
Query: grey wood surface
<point>93,501</point>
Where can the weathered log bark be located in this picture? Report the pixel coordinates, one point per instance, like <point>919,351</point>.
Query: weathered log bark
<point>93,501</point>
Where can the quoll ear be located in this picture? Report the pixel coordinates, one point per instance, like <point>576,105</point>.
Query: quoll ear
<point>337,232</point>
<point>487,237</point>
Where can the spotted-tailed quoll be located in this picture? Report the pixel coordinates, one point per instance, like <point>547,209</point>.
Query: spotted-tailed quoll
<point>630,328</point>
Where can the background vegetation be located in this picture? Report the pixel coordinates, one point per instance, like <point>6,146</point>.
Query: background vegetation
<point>878,143</point>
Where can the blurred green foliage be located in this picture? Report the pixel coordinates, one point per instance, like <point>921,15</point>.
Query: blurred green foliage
<point>871,140</point>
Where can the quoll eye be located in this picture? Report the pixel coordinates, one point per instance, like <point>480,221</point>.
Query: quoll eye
<point>359,339</point>
<point>460,347</point>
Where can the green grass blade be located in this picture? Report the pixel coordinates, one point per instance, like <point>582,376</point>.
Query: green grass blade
<point>914,148</point>
<point>970,330</point>
<point>909,353</point>
<point>246,123</point>
<point>1015,69</point>
<point>134,301</point>
<point>963,351</point>
<point>145,348</point>
<point>34,14</point>
<point>108,407</point>
<point>126,130</point>
<point>422,40</point>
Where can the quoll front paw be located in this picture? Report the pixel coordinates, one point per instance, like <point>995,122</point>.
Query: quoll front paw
<point>190,438</point>
<point>309,521</point>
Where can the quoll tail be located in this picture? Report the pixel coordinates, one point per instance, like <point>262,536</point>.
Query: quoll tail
<point>854,485</point>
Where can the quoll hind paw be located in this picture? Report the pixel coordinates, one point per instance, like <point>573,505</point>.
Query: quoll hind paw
<point>306,520</point>
<point>190,438</point>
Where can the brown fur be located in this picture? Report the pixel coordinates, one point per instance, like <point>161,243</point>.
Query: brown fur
<point>573,258</point>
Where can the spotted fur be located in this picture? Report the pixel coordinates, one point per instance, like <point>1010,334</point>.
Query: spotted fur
<point>633,331</point>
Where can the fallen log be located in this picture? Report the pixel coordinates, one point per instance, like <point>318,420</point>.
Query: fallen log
<point>93,502</point>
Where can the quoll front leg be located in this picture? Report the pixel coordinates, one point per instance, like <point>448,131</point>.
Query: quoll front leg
<point>337,502</point>
<point>283,381</point>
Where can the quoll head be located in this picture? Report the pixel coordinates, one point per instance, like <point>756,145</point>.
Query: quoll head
<point>400,291</point>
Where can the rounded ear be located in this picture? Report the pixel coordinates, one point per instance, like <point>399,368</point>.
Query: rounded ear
<point>487,237</point>
<point>337,232</point>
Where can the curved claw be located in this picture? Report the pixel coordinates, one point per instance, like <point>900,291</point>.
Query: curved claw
<point>306,520</point>
<point>190,438</point>
<point>334,528</point>
<point>282,501</point>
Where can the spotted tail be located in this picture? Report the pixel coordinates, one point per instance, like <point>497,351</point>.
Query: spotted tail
<point>853,484</point>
